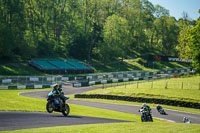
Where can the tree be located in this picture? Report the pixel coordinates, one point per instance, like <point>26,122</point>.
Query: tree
<point>167,33</point>
<point>116,35</point>
<point>189,44</point>
<point>194,45</point>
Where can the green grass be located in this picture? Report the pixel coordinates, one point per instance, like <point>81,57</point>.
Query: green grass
<point>127,65</point>
<point>11,101</point>
<point>136,64</point>
<point>19,69</point>
<point>157,89</point>
<point>119,128</point>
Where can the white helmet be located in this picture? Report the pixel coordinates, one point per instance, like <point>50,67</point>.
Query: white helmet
<point>144,105</point>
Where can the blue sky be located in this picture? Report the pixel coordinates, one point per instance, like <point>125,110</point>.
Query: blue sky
<point>177,7</point>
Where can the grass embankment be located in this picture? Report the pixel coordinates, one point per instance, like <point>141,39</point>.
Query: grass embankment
<point>181,89</point>
<point>127,65</point>
<point>136,64</point>
<point>120,128</point>
<point>18,69</point>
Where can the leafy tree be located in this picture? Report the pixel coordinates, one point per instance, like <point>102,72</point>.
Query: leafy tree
<point>116,34</point>
<point>189,44</point>
<point>167,34</point>
<point>194,45</point>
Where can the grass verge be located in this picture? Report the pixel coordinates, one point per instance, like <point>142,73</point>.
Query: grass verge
<point>13,102</point>
<point>181,89</point>
<point>120,128</point>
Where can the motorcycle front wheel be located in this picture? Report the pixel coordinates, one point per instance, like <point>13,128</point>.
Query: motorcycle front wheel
<point>49,107</point>
<point>66,110</point>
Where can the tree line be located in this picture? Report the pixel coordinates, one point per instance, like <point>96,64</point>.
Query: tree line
<point>87,29</point>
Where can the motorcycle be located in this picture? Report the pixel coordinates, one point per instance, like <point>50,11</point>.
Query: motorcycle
<point>145,117</point>
<point>56,104</point>
<point>162,111</point>
<point>186,120</point>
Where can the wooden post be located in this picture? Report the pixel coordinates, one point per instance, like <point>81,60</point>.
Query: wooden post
<point>137,84</point>
<point>199,86</point>
<point>182,85</point>
<point>166,84</point>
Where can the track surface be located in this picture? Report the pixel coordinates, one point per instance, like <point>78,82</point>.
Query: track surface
<point>173,116</point>
<point>25,120</point>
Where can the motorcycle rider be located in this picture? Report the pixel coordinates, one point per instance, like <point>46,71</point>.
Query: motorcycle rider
<point>57,90</point>
<point>158,107</point>
<point>186,120</point>
<point>148,109</point>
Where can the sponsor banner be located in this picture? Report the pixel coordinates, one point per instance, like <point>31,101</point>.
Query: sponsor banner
<point>3,87</point>
<point>176,71</point>
<point>163,76</point>
<point>65,78</point>
<point>135,78</point>
<point>120,76</point>
<point>110,76</point>
<point>154,73</point>
<point>166,58</point>
<point>92,83</point>
<point>130,75</point>
<point>99,77</point>
<point>21,87</point>
<point>89,77</point>
<point>115,80</point>
<point>138,74</point>
<point>162,72</point>
<point>104,81</point>
<point>174,59</point>
<point>126,79</point>
<point>6,80</point>
<point>50,78</point>
<point>37,86</point>
<point>147,74</point>
<point>182,70</point>
<point>77,85</point>
<point>34,79</point>
<point>169,72</point>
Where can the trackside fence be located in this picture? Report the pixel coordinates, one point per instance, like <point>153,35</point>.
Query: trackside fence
<point>24,82</point>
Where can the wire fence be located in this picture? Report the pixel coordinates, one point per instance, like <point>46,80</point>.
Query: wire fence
<point>29,80</point>
<point>173,83</point>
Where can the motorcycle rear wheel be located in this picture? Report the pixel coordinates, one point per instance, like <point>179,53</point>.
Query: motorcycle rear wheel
<point>66,110</point>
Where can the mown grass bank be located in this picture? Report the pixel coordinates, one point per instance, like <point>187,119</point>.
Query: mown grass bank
<point>119,128</point>
<point>127,65</point>
<point>180,89</point>
<point>12,101</point>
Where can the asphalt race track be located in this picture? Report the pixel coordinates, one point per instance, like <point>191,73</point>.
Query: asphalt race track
<point>25,120</point>
<point>173,116</point>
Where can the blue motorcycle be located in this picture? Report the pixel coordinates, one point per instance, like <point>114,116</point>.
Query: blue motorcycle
<point>56,104</point>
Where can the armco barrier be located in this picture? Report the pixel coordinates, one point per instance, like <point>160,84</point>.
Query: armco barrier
<point>140,99</point>
<point>25,87</point>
